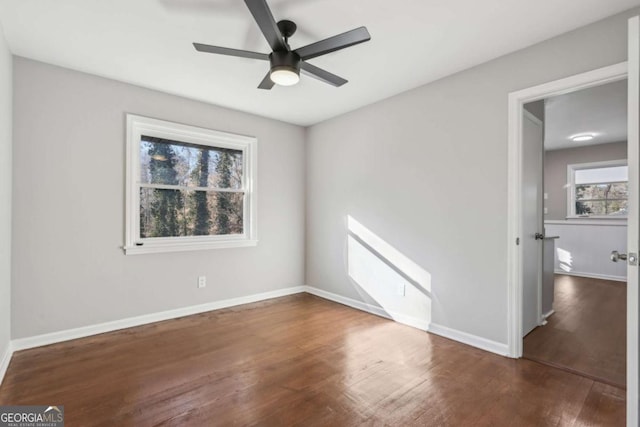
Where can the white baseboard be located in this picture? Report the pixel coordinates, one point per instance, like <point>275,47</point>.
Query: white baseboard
<point>70,334</point>
<point>85,331</point>
<point>378,311</point>
<point>543,317</point>
<point>463,337</point>
<point>4,362</point>
<point>469,339</point>
<point>373,309</point>
<point>592,275</point>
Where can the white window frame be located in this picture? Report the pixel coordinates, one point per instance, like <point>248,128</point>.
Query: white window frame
<point>571,188</point>
<point>137,126</point>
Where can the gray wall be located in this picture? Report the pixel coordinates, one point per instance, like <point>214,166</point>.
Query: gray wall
<point>6,94</point>
<point>555,172</point>
<point>68,267</point>
<point>427,172</point>
<point>536,108</point>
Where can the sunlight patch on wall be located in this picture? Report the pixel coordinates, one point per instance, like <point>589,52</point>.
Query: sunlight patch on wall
<point>399,285</point>
<point>565,259</point>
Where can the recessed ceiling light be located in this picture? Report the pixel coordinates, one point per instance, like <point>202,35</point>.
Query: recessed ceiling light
<point>582,138</point>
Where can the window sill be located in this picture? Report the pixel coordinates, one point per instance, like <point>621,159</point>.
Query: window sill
<point>187,246</point>
<point>601,218</point>
<point>587,221</point>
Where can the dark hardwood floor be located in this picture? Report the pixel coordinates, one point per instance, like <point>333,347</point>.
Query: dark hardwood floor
<point>587,334</point>
<point>298,360</point>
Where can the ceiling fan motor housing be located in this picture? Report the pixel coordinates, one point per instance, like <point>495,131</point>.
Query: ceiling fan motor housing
<point>285,60</point>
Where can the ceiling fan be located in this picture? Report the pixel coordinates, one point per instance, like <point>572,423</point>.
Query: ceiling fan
<point>286,63</point>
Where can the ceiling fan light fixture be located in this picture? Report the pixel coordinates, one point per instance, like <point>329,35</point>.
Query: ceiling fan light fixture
<point>285,68</point>
<point>285,76</point>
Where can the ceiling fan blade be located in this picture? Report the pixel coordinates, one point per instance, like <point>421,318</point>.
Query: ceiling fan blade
<point>266,83</point>
<point>263,16</point>
<point>350,38</point>
<point>322,75</point>
<point>231,52</point>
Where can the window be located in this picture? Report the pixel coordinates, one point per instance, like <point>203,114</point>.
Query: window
<point>188,188</point>
<point>598,189</point>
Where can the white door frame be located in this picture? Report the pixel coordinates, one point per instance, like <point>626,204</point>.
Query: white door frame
<point>514,256</point>
<point>633,135</point>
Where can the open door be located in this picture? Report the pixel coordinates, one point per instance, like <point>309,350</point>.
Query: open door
<point>633,225</point>
<point>532,223</point>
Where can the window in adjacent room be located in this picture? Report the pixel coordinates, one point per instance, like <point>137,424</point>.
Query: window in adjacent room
<point>598,189</point>
<point>188,188</point>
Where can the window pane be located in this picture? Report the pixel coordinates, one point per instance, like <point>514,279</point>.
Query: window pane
<point>160,213</point>
<point>602,191</point>
<point>602,207</point>
<point>619,191</point>
<point>227,218</point>
<point>603,175</point>
<point>167,162</point>
<point>617,208</point>
<point>180,213</point>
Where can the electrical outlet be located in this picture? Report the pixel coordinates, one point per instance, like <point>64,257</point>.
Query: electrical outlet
<point>400,289</point>
<point>202,281</point>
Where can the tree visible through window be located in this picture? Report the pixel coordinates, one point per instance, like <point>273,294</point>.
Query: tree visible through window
<point>600,189</point>
<point>187,189</point>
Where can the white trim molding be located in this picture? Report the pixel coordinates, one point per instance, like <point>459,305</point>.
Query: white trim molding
<point>443,331</point>
<point>621,222</point>
<point>516,101</point>
<point>546,315</point>
<point>633,232</point>
<point>85,331</point>
<point>571,188</point>
<point>6,359</point>
<point>369,308</point>
<point>349,302</point>
<point>592,275</point>
<point>469,339</point>
<point>139,127</point>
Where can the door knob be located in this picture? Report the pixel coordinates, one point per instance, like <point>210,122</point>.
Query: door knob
<point>539,236</point>
<point>616,256</point>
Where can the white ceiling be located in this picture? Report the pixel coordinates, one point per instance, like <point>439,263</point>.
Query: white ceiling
<point>600,111</point>
<point>148,43</point>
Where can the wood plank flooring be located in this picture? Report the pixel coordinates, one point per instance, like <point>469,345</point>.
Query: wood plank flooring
<point>298,360</point>
<point>587,334</point>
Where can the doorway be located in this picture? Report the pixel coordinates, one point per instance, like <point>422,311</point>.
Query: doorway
<point>630,70</point>
<point>574,301</point>
<point>516,235</point>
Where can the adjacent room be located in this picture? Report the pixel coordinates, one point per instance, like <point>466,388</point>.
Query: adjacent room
<point>584,210</point>
<point>252,212</point>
